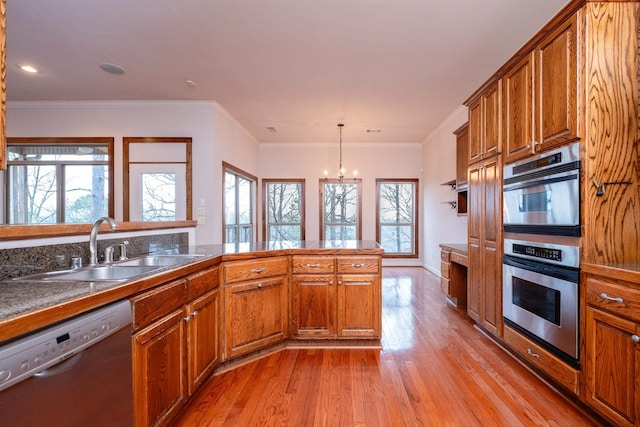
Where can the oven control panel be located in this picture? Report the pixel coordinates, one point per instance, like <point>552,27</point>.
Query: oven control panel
<point>36,352</point>
<point>565,255</point>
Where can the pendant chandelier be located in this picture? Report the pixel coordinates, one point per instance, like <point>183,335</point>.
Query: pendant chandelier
<point>340,168</point>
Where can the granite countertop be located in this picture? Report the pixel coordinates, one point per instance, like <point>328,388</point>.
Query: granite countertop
<point>27,305</point>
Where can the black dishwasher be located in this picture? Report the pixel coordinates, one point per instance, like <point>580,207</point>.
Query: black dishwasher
<point>75,373</point>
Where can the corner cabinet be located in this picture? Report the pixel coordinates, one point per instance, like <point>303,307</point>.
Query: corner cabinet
<point>175,344</point>
<point>336,297</point>
<point>256,295</point>
<point>612,340</point>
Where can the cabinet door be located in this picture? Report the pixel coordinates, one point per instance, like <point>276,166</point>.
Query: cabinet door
<point>476,130</point>
<point>612,367</point>
<point>557,87</point>
<point>492,141</point>
<point>160,370</point>
<point>204,337</point>
<point>475,219</point>
<point>517,110</point>
<point>359,306</point>
<point>256,315</point>
<point>314,306</point>
<point>462,156</point>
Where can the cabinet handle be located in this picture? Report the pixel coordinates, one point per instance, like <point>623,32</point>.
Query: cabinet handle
<point>635,338</point>
<point>532,354</point>
<point>605,296</point>
<point>313,265</point>
<point>260,285</point>
<point>357,265</point>
<point>258,270</point>
<point>330,282</point>
<point>186,319</point>
<point>528,146</point>
<point>339,282</point>
<point>195,313</point>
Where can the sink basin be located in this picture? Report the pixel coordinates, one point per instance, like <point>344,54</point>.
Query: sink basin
<point>160,260</point>
<point>96,273</point>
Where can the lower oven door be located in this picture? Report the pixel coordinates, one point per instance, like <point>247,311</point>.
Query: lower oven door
<point>543,300</point>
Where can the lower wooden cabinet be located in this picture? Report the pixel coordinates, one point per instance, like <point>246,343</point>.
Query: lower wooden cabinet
<point>256,315</point>
<point>176,344</point>
<point>336,297</point>
<point>612,355</point>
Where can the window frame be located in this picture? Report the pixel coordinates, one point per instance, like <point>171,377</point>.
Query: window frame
<point>227,167</point>
<point>358,183</point>
<point>416,194</point>
<point>63,141</point>
<point>265,205</point>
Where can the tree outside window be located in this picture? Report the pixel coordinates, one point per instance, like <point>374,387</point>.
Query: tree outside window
<point>341,210</point>
<point>283,210</point>
<point>396,217</point>
<point>238,205</point>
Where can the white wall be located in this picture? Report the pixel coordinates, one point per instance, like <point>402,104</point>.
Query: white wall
<point>309,161</point>
<point>215,134</point>
<point>442,225</point>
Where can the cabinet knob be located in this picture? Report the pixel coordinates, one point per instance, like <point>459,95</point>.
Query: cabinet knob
<point>339,282</point>
<point>607,297</point>
<point>186,319</point>
<point>260,285</point>
<point>258,270</point>
<point>195,313</point>
<point>635,338</point>
<point>357,265</point>
<point>313,265</point>
<point>532,354</point>
<point>330,282</point>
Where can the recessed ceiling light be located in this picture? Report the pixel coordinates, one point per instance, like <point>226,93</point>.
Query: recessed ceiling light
<point>272,129</point>
<point>374,130</point>
<point>112,68</point>
<point>28,68</point>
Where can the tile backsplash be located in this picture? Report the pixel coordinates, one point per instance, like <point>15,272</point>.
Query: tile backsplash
<point>38,259</point>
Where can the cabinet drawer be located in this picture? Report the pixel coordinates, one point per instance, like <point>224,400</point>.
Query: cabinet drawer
<point>362,264</point>
<point>203,282</point>
<point>542,359</point>
<point>445,256</point>
<point>313,264</point>
<point>459,259</point>
<point>617,298</point>
<point>156,303</point>
<point>444,270</point>
<point>236,271</point>
<point>444,285</point>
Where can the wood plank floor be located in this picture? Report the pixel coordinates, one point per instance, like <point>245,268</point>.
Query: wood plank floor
<point>435,369</point>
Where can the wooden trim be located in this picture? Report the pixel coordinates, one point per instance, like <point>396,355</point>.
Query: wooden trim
<point>23,232</point>
<point>126,141</point>
<point>101,140</point>
<point>416,219</point>
<point>265,182</point>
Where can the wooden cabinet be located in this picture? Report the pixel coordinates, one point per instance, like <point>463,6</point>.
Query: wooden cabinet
<point>485,139</point>
<point>462,160</point>
<point>175,344</point>
<point>336,297</point>
<point>484,288</point>
<point>3,84</point>
<point>612,353</point>
<point>453,276</point>
<point>540,95</point>
<point>256,305</point>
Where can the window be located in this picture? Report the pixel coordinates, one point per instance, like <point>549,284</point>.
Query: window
<point>341,209</point>
<point>396,217</point>
<point>58,180</point>
<point>239,200</point>
<point>157,179</point>
<point>283,210</point>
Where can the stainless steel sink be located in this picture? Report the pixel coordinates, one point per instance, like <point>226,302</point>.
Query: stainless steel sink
<point>95,273</point>
<point>160,260</point>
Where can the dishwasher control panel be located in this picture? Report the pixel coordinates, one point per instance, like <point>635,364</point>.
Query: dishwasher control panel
<point>32,354</point>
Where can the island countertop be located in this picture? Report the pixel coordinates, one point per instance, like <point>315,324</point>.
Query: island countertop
<point>29,305</point>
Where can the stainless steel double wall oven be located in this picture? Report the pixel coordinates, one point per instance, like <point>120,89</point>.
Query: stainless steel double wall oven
<point>541,268</point>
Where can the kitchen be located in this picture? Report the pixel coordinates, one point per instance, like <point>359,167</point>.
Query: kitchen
<point>439,223</point>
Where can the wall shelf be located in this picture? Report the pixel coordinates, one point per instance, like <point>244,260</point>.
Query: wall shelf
<point>451,184</point>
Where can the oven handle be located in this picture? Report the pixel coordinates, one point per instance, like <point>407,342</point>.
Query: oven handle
<point>569,274</point>
<point>534,183</point>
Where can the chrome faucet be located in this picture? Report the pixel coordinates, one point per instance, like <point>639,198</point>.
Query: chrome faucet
<point>93,238</point>
<point>108,251</point>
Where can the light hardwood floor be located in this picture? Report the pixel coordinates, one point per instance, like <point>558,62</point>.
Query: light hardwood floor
<point>435,368</point>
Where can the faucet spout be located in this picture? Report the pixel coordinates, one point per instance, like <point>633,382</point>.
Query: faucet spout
<point>93,237</point>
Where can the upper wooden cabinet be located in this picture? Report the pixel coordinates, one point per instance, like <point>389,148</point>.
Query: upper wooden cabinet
<point>540,95</point>
<point>485,139</point>
<point>462,155</point>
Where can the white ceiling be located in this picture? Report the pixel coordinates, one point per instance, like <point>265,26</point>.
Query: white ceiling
<point>301,66</point>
